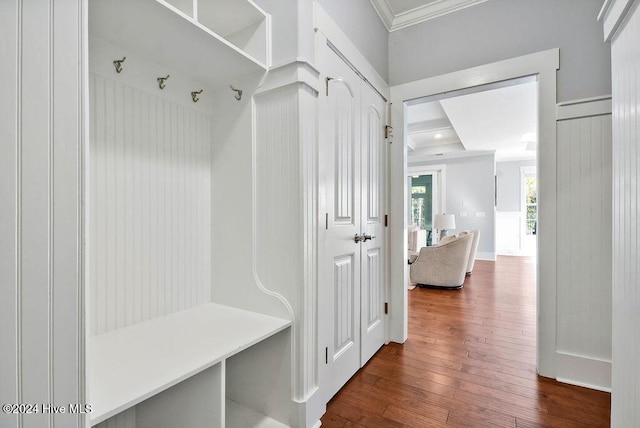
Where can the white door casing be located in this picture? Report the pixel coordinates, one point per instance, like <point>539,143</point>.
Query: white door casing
<point>351,273</point>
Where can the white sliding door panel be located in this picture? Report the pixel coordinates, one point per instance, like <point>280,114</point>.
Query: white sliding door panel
<point>149,227</point>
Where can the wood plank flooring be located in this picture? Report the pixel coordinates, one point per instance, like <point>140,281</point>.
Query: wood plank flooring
<point>469,362</point>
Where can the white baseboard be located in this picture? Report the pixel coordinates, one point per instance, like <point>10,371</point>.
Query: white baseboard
<point>308,413</point>
<point>583,371</point>
<point>486,256</point>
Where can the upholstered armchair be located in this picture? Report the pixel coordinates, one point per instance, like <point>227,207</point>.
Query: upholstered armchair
<point>417,238</point>
<point>443,265</point>
<point>474,250</point>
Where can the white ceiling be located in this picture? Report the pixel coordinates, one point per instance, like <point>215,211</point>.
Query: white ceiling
<point>502,120</point>
<point>397,14</point>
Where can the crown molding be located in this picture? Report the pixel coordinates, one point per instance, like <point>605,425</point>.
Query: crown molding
<point>612,16</point>
<point>420,14</point>
<point>384,11</point>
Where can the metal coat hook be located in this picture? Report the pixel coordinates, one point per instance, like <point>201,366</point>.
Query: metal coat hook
<point>161,80</point>
<point>237,91</point>
<point>194,95</point>
<point>118,64</point>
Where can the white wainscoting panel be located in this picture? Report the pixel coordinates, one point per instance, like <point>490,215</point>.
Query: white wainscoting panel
<point>149,237</point>
<point>625,411</point>
<point>584,249</point>
<point>508,230</point>
<point>41,135</point>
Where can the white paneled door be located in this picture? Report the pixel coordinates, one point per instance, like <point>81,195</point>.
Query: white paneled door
<point>372,200</point>
<point>351,276</point>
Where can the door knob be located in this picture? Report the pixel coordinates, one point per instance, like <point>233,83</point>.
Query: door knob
<point>364,237</point>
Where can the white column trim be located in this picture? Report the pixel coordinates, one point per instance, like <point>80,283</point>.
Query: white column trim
<point>296,83</point>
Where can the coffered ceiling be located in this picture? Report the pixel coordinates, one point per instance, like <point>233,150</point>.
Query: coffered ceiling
<point>397,14</point>
<point>501,120</point>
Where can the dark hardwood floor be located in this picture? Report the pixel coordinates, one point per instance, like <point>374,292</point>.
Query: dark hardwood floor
<point>469,362</point>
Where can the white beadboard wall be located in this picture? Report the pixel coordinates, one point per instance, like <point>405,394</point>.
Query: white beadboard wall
<point>584,245</point>
<point>625,411</point>
<point>149,233</point>
<point>41,137</point>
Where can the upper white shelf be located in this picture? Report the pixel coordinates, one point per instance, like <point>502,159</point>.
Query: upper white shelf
<point>214,41</point>
<point>129,365</point>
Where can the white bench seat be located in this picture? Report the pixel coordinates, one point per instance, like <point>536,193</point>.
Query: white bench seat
<point>131,364</point>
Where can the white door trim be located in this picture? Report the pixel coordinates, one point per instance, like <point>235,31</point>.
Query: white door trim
<point>544,65</point>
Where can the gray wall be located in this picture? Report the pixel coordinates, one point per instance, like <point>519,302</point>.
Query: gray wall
<point>509,185</point>
<point>503,29</point>
<point>363,26</point>
<point>469,188</point>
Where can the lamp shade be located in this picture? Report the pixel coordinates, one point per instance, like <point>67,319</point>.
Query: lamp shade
<point>445,221</point>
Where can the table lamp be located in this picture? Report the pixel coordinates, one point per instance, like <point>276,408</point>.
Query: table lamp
<point>444,222</point>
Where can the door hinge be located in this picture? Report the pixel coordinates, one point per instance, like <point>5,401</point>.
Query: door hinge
<point>386,308</point>
<point>326,83</point>
<point>326,355</point>
<point>326,221</point>
<point>388,131</point>
<point>386,220</point>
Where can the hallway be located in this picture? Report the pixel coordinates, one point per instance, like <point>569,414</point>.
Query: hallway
<point>469,362</point>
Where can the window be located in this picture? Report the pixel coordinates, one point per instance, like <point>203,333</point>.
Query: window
<point>421,202</point>
<point>531,205</point>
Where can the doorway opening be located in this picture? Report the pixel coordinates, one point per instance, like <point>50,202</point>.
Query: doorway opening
<point>543,67</point>
<point>485,135</point>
